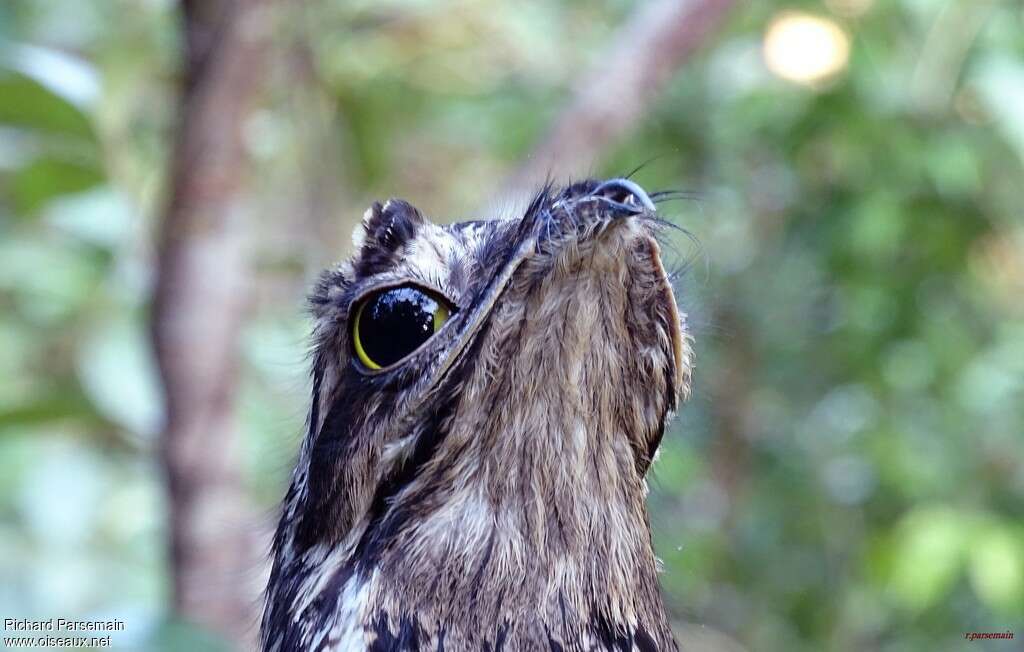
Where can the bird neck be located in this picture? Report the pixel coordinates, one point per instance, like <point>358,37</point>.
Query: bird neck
<point>547,538</point>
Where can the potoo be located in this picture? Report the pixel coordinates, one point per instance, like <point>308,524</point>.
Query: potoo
<point>487,400</point>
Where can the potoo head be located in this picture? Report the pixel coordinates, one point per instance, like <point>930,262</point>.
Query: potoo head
<point>497,385</point>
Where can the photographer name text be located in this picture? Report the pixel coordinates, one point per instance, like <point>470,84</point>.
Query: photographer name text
<point>62,625</point>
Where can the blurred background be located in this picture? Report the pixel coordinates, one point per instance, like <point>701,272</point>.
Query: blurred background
<point>849,474</point>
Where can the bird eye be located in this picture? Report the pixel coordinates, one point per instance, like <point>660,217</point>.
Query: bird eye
<point>392,323</point>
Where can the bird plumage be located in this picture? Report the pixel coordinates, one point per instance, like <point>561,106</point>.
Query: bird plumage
<point>487,491</point>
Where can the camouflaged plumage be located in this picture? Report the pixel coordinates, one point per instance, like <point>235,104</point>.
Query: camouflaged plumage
<point>489,491</point>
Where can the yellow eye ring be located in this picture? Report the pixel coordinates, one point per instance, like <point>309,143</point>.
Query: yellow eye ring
<point>358,342</point>
<point>390,325</point>
<point>441,315</point>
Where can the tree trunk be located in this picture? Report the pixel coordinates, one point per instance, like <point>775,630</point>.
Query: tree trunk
<point>199,303</point>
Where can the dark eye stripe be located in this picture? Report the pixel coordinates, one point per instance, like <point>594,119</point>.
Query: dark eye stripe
<point>393,323</point>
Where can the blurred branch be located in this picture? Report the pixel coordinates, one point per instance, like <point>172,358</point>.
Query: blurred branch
<point>200,300</point>
<point>612,97</point>
<point>731,388</point>
<point>940,64</point>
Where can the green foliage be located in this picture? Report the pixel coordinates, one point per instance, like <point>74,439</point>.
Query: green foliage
<point>850,472</point>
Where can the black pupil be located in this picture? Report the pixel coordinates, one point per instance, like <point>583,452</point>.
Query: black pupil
<point>395,323</point>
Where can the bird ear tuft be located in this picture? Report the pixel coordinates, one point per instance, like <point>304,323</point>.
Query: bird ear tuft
<point>385,229</point>
<point>387,226</point>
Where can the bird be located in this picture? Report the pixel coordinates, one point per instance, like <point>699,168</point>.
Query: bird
<point>487,400</point>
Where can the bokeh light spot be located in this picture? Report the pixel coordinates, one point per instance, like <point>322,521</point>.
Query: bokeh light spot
<point>805,49</point>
